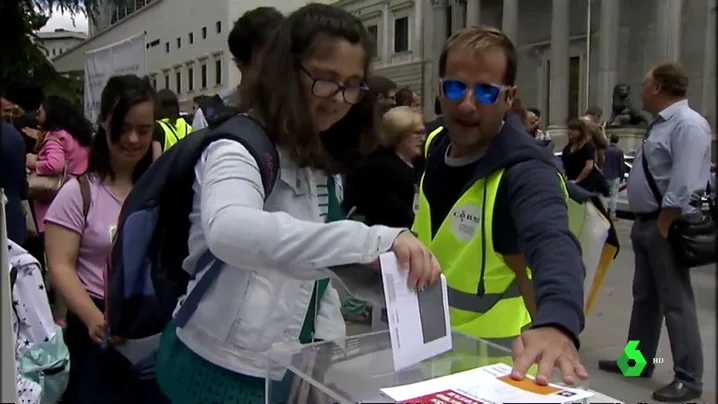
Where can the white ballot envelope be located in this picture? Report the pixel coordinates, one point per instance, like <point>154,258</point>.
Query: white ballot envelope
<point>419,324</point>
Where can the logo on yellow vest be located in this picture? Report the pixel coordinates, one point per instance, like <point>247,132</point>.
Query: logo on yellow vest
<point>465,219</point>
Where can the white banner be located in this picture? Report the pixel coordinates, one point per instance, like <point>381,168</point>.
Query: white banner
<point>123,57</point>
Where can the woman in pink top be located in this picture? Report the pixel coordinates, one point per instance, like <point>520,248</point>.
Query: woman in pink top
<point>78,244</point>
<point>66,143</point>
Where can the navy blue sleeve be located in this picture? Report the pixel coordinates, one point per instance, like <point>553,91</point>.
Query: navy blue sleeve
<point>538,209</point>
<point>12,161</point>
<point>505,236</point>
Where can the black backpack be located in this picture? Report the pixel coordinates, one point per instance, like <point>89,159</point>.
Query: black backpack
<point>144,277</point>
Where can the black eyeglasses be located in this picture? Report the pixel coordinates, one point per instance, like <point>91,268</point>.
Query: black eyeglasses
<point>321,87</point>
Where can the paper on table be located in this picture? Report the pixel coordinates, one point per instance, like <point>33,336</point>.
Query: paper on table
<point>488,384</point>
<point>419,325</point>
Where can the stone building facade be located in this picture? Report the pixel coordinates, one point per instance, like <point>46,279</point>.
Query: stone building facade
<point>562,70</point>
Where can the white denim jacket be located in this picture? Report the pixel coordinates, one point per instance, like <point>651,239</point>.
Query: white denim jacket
<point>273,254</point>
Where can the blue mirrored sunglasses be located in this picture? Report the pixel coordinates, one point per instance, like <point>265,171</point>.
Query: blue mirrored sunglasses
<point>455,90</point>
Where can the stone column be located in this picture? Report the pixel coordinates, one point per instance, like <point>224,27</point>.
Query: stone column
<point>510,20</point>
<point>458,14</point>
<point>438,37</point>
<point>608,54</point>
<point>439,27</point>
<point>668,30</point>
<point>418,43</point>
<point>386,34</point>
<point>473,13</point>
<point>558,96</point>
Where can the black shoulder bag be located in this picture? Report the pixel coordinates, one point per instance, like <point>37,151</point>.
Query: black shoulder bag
<point>692,237</point>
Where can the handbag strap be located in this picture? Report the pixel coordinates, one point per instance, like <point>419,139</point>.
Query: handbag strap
<point>649,177</point>
<point>644,162</point>
<point>654,187</point>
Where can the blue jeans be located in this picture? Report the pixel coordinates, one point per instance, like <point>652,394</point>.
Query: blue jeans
<point>613,186</point>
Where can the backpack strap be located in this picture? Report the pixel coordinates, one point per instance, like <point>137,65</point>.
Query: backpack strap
<point>253,137</point>
<point>84,183</point>
<point>191,301</point>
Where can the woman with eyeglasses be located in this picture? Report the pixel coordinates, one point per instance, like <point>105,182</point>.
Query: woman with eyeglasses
<point>274,287</point>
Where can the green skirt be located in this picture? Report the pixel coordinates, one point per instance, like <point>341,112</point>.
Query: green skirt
<point>187,378</point>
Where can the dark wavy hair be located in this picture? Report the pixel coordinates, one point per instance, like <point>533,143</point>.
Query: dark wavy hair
<point>62,114</point>
<point>252,31</point>
<point>120,94</point>
<point>279,100</point>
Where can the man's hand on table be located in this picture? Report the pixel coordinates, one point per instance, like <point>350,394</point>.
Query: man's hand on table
<point>550,348</point>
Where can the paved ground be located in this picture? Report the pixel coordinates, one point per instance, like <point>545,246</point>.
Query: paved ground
<point>605,334</point>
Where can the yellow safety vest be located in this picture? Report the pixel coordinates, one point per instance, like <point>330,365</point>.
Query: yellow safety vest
<point>463,242</point>
<point>464,248</point>
<point>173,133</point>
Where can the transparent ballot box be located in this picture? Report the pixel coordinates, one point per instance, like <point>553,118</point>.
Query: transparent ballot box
<point>355,369</point>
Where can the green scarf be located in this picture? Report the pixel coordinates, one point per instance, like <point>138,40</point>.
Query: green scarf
<point>334,213</point>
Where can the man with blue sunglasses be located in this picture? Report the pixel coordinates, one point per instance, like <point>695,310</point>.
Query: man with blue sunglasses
<point>491,204</point>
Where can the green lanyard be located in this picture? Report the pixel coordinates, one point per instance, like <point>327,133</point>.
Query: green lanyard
<point>334,213</point>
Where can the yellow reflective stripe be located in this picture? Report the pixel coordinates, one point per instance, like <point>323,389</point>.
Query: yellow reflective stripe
<point>430,138</point>
<point>477,304</point>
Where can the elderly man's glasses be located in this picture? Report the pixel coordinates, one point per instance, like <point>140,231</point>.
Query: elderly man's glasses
<point>322,87</point>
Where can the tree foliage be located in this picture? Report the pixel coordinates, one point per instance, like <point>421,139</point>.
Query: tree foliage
<point>21,58</point>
